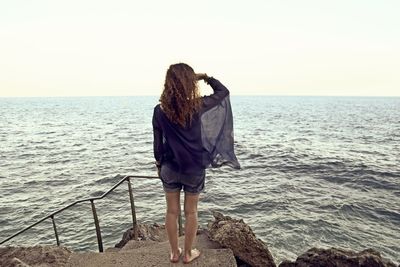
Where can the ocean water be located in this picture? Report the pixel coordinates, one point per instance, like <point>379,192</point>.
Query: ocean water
<point>316,171</point>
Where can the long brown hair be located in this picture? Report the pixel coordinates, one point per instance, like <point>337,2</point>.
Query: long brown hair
<point>180,99</point>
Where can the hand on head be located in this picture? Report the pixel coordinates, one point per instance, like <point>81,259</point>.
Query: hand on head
<point>201,76</point>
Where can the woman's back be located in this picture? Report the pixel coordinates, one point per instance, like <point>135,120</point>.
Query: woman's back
<point>182,147</point>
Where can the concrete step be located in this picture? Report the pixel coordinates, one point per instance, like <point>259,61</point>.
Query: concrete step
<point>151,253</point>
<point>202,242</point>
<point>149,257</point>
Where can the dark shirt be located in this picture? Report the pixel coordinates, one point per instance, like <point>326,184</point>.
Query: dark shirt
<point>182,149</point>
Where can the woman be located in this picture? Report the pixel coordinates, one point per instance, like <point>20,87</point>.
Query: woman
<point>191,133</point>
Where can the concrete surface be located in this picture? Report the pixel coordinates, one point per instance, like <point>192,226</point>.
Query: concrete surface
<point>150,253</point>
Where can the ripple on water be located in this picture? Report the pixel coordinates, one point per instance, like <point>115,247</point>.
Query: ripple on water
<point>310,176</point>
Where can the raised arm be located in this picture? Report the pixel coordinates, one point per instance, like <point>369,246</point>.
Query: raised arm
<point>220,92</point>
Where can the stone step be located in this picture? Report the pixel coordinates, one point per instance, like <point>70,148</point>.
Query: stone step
<point>151,253</point>
<point>149,256</point>
<point>202,242</point>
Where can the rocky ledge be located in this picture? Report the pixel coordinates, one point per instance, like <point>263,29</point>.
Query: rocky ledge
<point>239,237</point>
<point>339,257</point>
<point>146,232</point>
<point>224,240</point>
<point>34,256</point>
<point>251,251</point>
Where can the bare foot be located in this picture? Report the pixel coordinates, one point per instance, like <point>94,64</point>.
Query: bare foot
<point>194,254</point>
<point>174,257</point>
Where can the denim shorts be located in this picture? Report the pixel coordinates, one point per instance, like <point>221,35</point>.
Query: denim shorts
<point>174,181</point>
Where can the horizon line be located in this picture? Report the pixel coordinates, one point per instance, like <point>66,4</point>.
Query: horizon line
<point>249,95</point>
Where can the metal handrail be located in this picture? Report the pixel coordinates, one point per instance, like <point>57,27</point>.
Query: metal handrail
<point>96,220</point>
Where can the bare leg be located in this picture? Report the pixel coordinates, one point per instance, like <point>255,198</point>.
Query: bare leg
<point>190,207</point>
<point>171,222</point>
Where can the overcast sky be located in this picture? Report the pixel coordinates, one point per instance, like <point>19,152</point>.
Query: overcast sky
<point>93,47</point>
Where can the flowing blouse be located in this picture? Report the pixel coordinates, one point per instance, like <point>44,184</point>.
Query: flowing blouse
<point>207,142</point>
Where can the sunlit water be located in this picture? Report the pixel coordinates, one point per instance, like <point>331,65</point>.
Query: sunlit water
<point>316,171</point>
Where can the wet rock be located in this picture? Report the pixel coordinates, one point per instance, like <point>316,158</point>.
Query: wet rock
<point>238,236</point>
<point>339,257</point>
<point>154,232</point>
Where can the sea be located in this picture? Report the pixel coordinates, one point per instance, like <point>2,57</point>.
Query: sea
<point>316,171</point>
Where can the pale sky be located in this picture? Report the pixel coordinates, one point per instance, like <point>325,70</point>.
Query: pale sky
<point>281,47</point>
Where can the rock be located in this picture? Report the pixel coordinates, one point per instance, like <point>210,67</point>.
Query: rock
<point>238,236</point>
<point>34,256</point>
<point>15,262</point>
<point>287,263</point>
<point>154,232</point>
<point>339,257</point>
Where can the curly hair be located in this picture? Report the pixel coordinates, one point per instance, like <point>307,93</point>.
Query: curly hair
<point>180,99</point>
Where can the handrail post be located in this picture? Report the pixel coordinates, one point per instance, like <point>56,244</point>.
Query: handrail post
<point>135,230</point>
<point>180,223</point>
<point>96,223</point>
<point>55,229</point>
